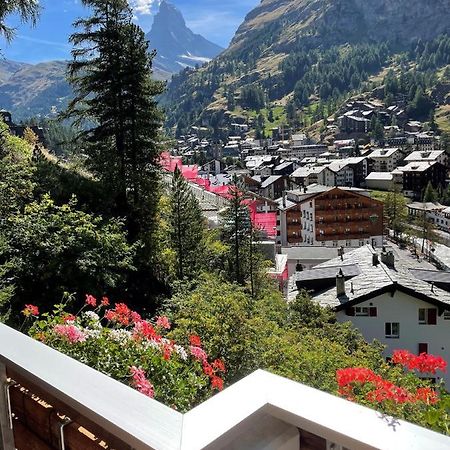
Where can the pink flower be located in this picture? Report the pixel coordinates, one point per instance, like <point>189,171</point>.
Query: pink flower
<point>70,332</point>
<point>140,382</point>
<point>198,353</point>
<point>91,300</point>
<point>105,301</point>
<point>30,310</point>
<point>163,322</point>
<point>135,317</point>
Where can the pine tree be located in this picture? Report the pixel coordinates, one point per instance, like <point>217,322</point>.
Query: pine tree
<point>395,212</point>
<point>187,227</point>
<point>236,232</point>
<point>114,102</point>
<point>430,194</point>
<point>28,10</point>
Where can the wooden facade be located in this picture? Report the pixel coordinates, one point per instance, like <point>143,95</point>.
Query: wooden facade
<point>343,215</point>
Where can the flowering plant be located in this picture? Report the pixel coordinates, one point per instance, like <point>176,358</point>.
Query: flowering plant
<point>120,343</point>
<point>404,396</point>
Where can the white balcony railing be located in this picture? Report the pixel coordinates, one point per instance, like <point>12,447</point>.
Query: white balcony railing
<point>262,411</point>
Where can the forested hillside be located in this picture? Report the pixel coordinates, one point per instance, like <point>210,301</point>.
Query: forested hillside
<point>293,53</point>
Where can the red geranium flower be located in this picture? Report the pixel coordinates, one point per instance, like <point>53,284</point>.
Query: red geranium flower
<point>217,383</point>
<point>195,340</point>
<point>91,300</point>
<point>30,310</point>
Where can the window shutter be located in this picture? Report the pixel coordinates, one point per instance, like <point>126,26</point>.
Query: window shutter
<point>423,348</point>
<point>432,316</point>
<point>373,311</point>
<point>350,311</point>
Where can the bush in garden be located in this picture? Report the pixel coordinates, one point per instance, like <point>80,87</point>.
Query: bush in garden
<point>119,343</point>
<point>401,394</point>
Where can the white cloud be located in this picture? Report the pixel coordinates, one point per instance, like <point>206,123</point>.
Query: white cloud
<point>144,7</point>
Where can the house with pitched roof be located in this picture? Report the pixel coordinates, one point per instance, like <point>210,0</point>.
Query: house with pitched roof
<point>382,295</point>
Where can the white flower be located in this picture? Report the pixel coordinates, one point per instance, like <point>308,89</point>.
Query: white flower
<point>91,316</point>
<point>92,333</point>
<point>181,352</point>
<point>121,336</point>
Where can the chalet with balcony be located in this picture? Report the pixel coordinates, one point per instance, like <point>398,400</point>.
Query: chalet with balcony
<point>329,217</point>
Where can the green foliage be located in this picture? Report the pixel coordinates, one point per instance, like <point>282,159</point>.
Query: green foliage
<point>119,112</point>
<point>430,194</point>
<point>187,227</point>
<point>252,97</point>
<point>395,212</point>
<point>262,332</point>
<point>16,174</point>
<point>56,249</point>
<point>27,10</point>
<point>6,286</point>
<point>236,233</point>
<point>173,374</point>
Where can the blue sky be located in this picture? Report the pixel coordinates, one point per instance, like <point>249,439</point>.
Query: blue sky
<point>217,20</point>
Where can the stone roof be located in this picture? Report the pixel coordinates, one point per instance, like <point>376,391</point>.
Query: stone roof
<point>380,176</point>
<point>375,278</point>
<point>383,152</point>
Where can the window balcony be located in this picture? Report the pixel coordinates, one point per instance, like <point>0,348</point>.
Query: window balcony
<point>50,401</point>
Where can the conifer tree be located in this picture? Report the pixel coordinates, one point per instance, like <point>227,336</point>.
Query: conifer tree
<point>236,232</point>
<point>28,10</point>
<point>187,227</point>
<point>430,194</point>
<point>396,212</point>
<point>114,101</point>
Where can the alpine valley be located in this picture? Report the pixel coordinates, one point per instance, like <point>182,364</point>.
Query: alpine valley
<point>29,90</point>
<point>300,59</point>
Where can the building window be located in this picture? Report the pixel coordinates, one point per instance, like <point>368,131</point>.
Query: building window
<point>427,316</point>
<point>446,315</point>
<point>423,348</point>
<point>361,311</point>
<point>335,243</point>
<point>392,330</point>
<point>422,316</point>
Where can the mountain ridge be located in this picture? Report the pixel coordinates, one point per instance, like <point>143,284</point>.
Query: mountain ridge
<point>282,42</point>
<point>42,89</point>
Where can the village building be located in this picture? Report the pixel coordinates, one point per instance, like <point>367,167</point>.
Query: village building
<point>417,175</point>
<point>380,294</point>
<point>385,159</point>
<point>331,217</point>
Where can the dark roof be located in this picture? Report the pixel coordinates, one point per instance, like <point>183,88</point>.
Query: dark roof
<point>376,279</point>
<point>431,276</point>
<point>326,273</point>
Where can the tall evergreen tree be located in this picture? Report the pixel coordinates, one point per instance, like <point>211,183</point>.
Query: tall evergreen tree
<point>396,212</point>
<point>236,232</point>
<point>187,227</point>
<point>430,194</point>
<point>111,75</point>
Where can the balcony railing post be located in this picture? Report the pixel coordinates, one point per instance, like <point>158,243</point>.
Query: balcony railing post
<point>6,430</point>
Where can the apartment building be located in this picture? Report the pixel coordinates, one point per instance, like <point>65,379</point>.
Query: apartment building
<point>385,159</point>
<point>330,217</point>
